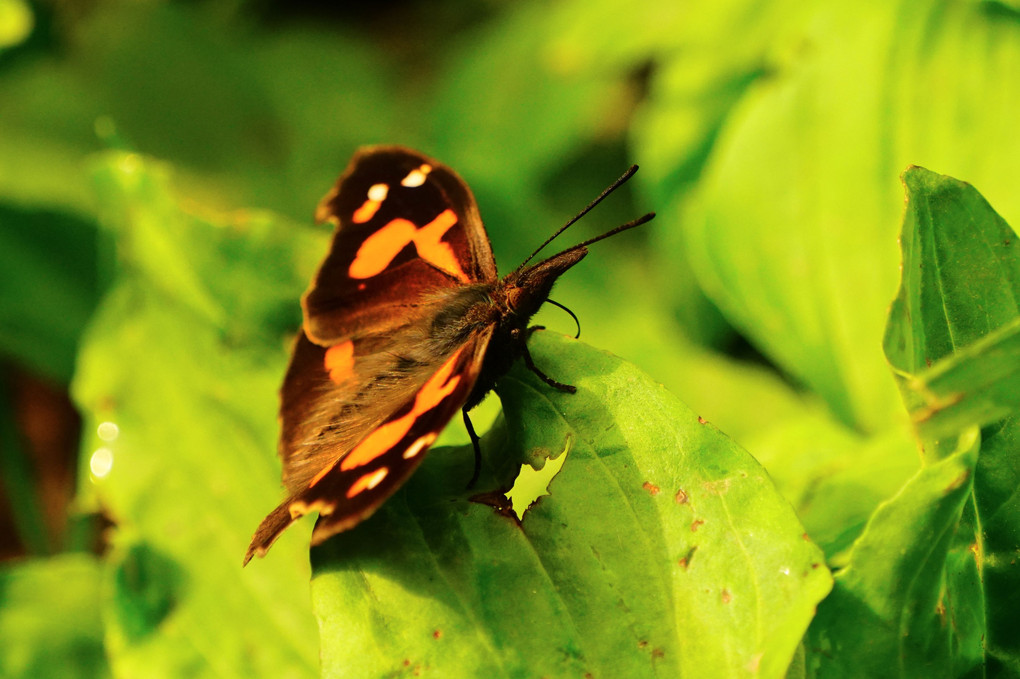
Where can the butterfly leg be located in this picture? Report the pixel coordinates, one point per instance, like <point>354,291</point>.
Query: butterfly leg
<point>477,446</point>
<point>530,362</point>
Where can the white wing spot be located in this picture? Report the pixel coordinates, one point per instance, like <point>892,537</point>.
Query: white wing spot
<point>377,478</point>
<point>416,177</point>
<point>419,445</point>
<point>378,192</point>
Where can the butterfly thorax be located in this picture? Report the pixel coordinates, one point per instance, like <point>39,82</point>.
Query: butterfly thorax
<point>512,302</point>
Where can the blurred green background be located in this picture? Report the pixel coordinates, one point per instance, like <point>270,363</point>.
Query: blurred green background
<point>160,163</point>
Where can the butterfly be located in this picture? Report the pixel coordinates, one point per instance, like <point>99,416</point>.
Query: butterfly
<point>405,323</point>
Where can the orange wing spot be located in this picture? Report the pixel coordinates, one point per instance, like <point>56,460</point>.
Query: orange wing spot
<point>431,248</point>
<point>366,211</point>
<point>384,438</point>
<point>339,361</point>
<point>378,250</point>
<point>376,195</point>
<point>368,481</point>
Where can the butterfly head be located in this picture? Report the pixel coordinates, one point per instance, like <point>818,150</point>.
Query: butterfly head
<point>523,291</point>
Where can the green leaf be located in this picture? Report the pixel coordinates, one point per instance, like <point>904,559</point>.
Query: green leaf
<point>905,606</point>
<point>515,99</point>
<point>793,232</point>
<point>975,386</point>
<point>49,619</point>
<point>49,285</point>
<point>997,503</point>
<point>662,547</point>
<point>957,310</point>
<point>184,357</point>
<point>834,477</point>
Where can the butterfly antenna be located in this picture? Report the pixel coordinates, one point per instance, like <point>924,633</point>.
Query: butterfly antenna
<point>572,315</point>
<point>609,189</point>
<point>612,232</point>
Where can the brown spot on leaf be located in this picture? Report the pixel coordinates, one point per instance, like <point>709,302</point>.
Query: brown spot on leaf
<point>437,634</point>
<point>650,487</point>
<point>681,497</point>
<point>685,561</point>
<point>702,420</point>
<point>695,524</point>
<point>658,653</point>
<point>958,481</point>
<point>726,596</point>
<point>720,487</point>
<point>642,644</point>
<point>804,537</point>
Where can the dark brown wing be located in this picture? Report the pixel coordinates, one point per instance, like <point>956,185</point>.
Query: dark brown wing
<point>406,226</point>
<point>396,323</point>
<point>358,477</point>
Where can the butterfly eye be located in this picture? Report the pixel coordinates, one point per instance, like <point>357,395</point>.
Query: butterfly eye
<point>513,297</point>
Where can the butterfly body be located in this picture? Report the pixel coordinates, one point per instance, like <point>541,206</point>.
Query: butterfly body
<point>405,323</point>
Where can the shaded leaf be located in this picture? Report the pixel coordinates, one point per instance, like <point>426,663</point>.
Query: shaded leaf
<point>904,606</point>
<point>50,282</point>
<point>997,505</point>
<point>661,547</point>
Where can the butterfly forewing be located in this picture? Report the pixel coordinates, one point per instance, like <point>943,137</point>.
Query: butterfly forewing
<point>392,341</point>
<point>406,226</point>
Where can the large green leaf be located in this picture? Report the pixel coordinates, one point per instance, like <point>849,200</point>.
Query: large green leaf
<point>662,548</point>
<point>953,335</point>
<point>794,234</point>
<point>49,619</point>
<point>178,380</point>
<point>957,309</point>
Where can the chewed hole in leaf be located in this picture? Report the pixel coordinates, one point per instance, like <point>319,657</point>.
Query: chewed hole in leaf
<point>532,483</point>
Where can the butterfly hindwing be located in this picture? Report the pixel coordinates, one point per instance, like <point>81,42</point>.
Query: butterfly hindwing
<point>406,226</point>
<point>354,484</point>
